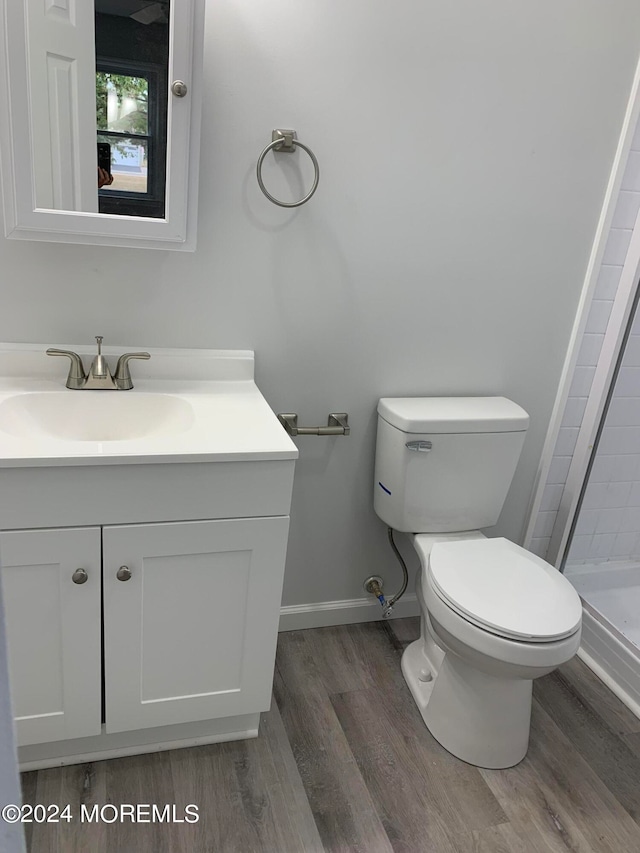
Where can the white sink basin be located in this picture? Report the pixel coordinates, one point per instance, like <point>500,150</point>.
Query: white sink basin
<point>94,415</point>
<point>186,406</point>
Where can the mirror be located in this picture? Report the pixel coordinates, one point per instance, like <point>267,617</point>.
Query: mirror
<point>132,66</point>
<point>102,145</point>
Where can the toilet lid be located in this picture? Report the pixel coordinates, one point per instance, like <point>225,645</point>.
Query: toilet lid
<point>505,589</point>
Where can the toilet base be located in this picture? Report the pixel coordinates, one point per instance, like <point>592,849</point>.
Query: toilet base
<point>480,718</point>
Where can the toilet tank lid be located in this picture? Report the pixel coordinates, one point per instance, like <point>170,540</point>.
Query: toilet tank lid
<point>453,414</point>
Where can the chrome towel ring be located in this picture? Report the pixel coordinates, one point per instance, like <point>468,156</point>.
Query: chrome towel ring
<point>286,141</point>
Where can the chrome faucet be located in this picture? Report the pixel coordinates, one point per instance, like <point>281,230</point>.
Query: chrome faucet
<point>99,376</point>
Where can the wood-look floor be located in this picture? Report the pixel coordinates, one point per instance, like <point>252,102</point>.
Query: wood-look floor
<point>344,763</point>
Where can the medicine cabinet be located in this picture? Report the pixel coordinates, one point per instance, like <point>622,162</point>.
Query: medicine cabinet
<point>99,136</point>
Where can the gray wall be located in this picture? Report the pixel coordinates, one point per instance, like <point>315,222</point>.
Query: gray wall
<point>464,150</point>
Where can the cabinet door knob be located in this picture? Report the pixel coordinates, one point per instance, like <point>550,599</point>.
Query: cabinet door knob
<point>79,576</point>
<point>123,573</point>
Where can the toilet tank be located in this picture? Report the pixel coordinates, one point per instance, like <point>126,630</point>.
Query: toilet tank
<point>445,464</point>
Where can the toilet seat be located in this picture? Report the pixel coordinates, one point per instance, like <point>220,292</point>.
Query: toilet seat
<point>505,590</point>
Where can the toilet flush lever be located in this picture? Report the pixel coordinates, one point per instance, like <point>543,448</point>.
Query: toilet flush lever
<point>420,446</point>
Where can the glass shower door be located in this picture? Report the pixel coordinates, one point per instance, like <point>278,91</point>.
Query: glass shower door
<point>603,558</point>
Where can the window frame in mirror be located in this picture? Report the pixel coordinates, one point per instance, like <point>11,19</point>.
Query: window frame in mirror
<point>24,221</point>
<point>154,197</point>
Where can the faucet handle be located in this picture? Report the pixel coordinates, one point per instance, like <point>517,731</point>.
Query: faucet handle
<point>77,376</point>
<point>122,376</point>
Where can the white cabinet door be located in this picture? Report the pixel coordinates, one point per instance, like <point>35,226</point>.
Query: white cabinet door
<point>191,635</point>
<point>53,631</point>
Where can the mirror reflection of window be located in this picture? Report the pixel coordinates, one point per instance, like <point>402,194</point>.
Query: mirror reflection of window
<point>132,54</point>
<point>122,103</point>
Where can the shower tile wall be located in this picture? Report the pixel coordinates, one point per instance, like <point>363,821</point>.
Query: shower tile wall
<point>605,521</point>
<point>608,526</point>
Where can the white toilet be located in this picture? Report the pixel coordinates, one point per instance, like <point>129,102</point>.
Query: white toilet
<point>494,616</point>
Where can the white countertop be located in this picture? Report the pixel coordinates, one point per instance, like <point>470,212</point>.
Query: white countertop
<point>231,419</point>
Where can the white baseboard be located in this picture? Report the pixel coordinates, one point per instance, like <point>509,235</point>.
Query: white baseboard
<point>321,614</point>
<point>611,660</point>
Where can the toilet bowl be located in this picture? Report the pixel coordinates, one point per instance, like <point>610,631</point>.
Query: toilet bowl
<point>494,617</point>
<point>481,646</point>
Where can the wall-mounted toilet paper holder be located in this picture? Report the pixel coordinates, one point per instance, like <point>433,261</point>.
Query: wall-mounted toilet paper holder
<point>337,424</point>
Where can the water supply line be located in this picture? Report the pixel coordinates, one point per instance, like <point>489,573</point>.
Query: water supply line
<point>374,584</point>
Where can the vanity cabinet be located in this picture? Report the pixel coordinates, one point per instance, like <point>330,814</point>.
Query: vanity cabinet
<point>190,620</point>
<point>179,523</point>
